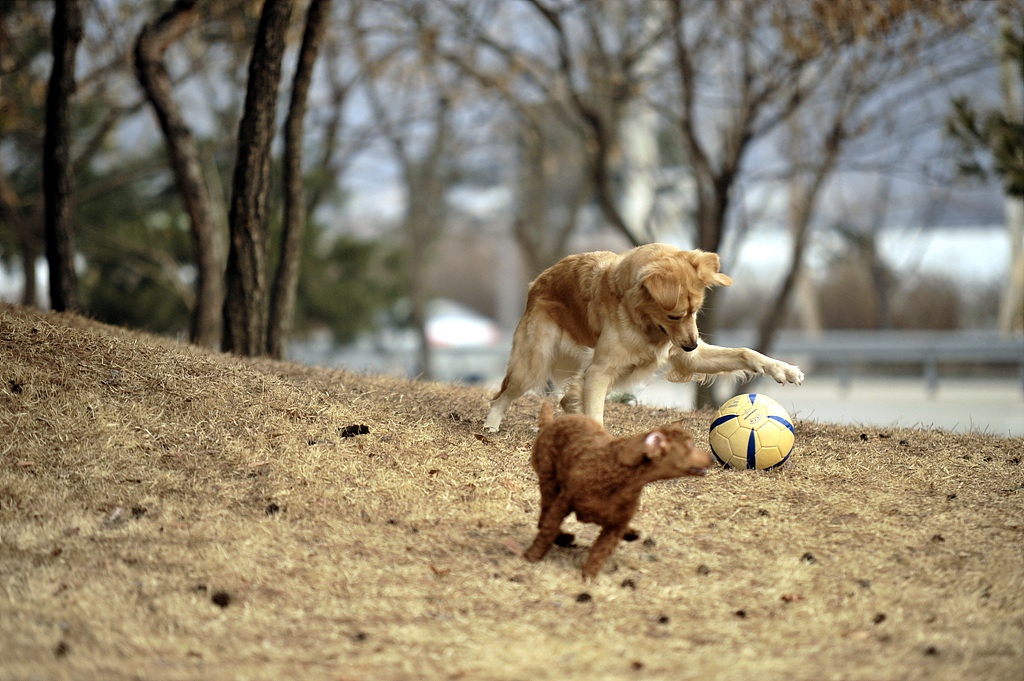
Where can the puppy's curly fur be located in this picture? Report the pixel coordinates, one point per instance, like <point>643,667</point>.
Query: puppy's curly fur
<point>582,468</point>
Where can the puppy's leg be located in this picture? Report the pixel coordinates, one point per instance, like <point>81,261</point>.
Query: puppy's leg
<point>712,359</point>
<point>603,547</point>
<point>549,491</point>
<point>550,523</point>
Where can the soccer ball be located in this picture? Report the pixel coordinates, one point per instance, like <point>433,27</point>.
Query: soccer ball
<point>752,431</point>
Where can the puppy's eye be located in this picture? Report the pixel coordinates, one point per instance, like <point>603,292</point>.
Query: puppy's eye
<point>675,317</point>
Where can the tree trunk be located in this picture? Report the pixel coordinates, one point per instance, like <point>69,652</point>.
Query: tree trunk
<point>57,179</point>
<point>543,194</point>
<point>427,182</point>
<point>286,281</point>
<point>245,306</point>
<point>424,222</point>
<point>30,252</point>
<point>802,203</point>
<point>711,206</point>
<point>1011,304</point>
<point>30,241</point>
<point>183,152</point>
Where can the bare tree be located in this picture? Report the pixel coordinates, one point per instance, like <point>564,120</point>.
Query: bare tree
<point>30,243</point>
<point>183,152</point>
<point>818,134</point>
<point>596,78</point>
<point>992,144</point>
<point>245,305</point>
<point>426,182</point>
<point>880,55</point>
<point>724,75</point>
<point>57,178</point>
<point>552,181</point>
<point>551,188</point>
<point>804,192</point>
<point>286,281</point>
<point>413,93</point>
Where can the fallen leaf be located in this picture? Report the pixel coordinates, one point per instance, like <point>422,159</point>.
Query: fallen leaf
<point>514,546</point>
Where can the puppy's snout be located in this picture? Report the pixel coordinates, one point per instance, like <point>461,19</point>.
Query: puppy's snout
<point>700,461</point>
<point>693,460</point>
<point>687,347</point>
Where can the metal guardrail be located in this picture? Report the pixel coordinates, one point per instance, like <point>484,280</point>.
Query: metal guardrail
<point>929,349</point>
<point>873,351</point>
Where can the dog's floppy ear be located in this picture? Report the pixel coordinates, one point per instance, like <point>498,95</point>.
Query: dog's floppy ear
<point>653,449</point>
<point>708,269</point>
<point>663,288</point>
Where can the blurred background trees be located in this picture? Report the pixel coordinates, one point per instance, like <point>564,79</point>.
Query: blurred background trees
<point>456,148</point>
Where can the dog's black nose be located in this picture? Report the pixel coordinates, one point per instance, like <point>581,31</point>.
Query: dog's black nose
<point>689,348</point>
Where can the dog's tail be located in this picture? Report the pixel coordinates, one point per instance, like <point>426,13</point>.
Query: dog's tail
<point>546,416</point>
<point>503,388</point>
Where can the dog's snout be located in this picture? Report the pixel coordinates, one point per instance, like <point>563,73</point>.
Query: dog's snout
<point>688,348</point>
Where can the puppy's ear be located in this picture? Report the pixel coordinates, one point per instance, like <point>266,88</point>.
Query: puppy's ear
<point>708,269</point>
<point>654,445</point>
<point>652,448</point>
<point>664,289</point>
<point>633,453</point>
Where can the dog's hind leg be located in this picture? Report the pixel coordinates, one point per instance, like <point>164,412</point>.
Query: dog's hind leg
<point>529,366</point>
<point>508,393</point>
<point>572,400</point>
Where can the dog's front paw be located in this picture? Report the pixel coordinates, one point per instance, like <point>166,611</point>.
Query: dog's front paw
<point>783,373</point>
<point>787,373</point>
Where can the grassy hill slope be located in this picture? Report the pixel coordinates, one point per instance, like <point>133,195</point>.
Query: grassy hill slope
<point>170,513</point>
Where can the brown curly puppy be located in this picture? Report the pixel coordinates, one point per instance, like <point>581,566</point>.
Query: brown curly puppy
<point>582,468</point>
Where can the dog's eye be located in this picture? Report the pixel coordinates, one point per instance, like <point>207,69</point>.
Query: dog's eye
<point>675,317</point>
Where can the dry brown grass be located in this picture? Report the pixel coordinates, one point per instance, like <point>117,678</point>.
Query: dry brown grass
<point>168,513</point>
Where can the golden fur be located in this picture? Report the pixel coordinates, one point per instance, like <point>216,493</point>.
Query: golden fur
<point>595,321</point>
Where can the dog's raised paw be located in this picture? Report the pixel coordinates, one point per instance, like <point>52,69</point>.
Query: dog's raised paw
<point>784,373</point>
<point>793,375</point>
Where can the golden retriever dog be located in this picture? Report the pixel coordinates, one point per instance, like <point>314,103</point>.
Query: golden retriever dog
<point>600,321</point>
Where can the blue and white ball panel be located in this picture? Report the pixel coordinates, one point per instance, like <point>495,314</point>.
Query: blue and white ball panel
<point>752,431</point>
